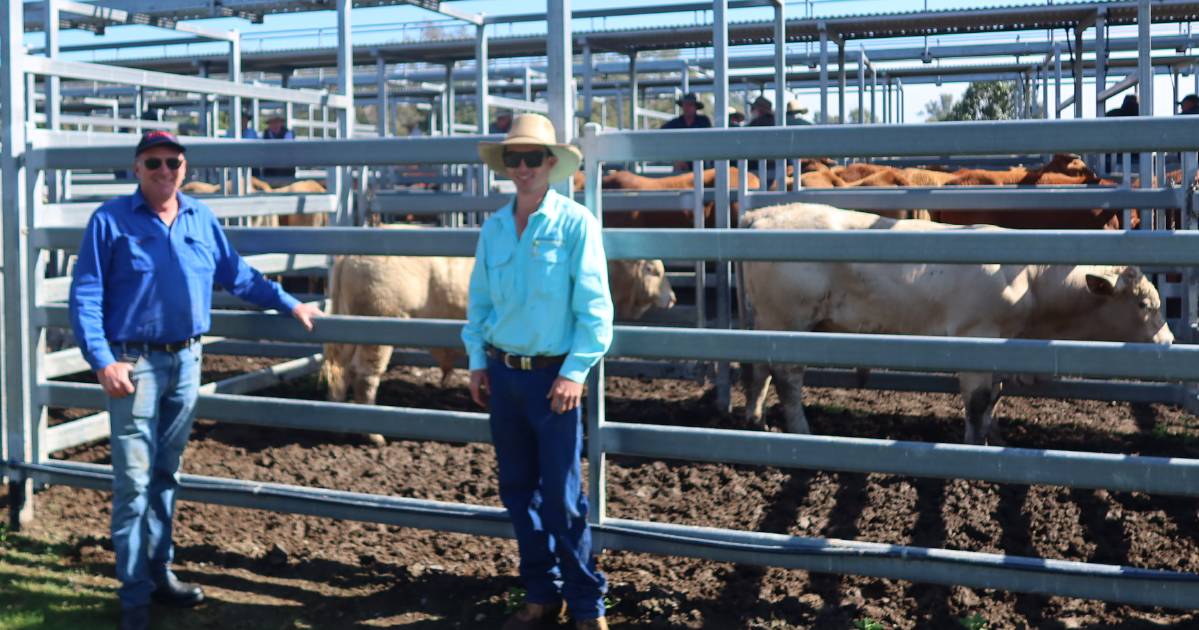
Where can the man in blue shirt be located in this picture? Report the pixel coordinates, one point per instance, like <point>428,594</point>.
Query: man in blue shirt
<point>140,300</point>
<point>538,318</point>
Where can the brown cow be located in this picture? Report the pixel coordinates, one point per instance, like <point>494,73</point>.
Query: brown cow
<point>625,180</point>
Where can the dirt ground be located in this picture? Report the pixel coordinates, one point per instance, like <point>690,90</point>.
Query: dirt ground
<point>268,570</point>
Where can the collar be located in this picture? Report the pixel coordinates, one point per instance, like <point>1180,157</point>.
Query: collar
<point>549,208</point>
<point>186,204</point>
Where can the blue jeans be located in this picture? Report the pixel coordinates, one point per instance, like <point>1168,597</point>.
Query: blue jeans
<point>538,452</point>
<point>149,430</point>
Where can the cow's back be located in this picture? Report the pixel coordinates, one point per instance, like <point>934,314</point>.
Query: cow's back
<point>911,298</point>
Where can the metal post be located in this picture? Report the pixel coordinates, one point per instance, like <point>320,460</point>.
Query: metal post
<point>780,83</point>
<point>345,121</point>
<point>560,60</point>
<point>481,93</point>
<point>634,102</point>
<point>823,75</point>
<point>873,93</point>
<point>841,85</point>
<point>686,77</point>
<point>596,473</point>
<point>720,62</point>
<point>588,74</point>
<point>54,94</point>
<point>382,103</point>
<point>1100,61</point>
<point>1145,84</point>
<point>1057,80</point>
<point>241,181</point>
<point>202,71</point>
<point>288,110</point>
<point>451,96</point>
<point>1045,91</point>
<point>861,85</point>
<point>900,99</point>
<point>18,402</point>
<point>1077,69</point>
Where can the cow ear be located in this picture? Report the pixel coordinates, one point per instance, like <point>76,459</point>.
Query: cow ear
<point>1101,285</point>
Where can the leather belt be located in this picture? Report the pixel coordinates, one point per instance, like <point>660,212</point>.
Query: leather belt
<point>158,347</point>
<point>518,362</point>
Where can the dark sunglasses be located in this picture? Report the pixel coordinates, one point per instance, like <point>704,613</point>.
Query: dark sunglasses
<point>154,163</point>
<point>532,159</point>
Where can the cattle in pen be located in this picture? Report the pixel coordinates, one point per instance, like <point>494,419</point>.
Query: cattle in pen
<point>1096,303</point>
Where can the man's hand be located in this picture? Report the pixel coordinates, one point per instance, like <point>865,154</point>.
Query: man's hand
<point>564,395</point>
<point>305,313</point>
<point>114,378</point>
<point>480,387</point>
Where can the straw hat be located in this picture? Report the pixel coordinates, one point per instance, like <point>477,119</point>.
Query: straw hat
<point>533,129</point>
<point>793,107</point>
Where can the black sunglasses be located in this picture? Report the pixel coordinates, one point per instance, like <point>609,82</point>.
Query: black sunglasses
<point>533,159</point>
<point>154,163</point>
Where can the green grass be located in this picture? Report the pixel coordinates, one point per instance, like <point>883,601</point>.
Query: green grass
<point>40,589</point>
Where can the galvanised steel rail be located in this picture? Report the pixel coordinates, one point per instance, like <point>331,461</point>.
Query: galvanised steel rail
<point>882,246</point>
<point>1132,585</point>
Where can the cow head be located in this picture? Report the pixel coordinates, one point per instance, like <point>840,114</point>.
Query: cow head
<point>638,285</point>
<point>1129,308</point>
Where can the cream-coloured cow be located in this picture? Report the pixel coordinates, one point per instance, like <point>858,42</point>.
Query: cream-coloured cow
<point>1096,303</point>
<point>431,287</point>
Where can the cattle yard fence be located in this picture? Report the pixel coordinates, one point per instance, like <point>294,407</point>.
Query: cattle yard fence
<point>31,233</point>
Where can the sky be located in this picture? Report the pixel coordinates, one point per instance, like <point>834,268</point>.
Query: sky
<point>378,24</point>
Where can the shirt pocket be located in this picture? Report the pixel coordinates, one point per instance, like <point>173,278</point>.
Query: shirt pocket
<point>200,256</point>
<point>500,274</point>
<point>132,256</point>
<point>549,273</point>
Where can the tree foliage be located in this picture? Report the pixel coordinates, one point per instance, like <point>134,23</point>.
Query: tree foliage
<point>985,100</point>
<point>938,109</point>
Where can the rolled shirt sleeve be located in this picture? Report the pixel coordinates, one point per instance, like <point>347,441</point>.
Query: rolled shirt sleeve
<point>87,294</point>
<point>591,303</point>
<point>478,308</point>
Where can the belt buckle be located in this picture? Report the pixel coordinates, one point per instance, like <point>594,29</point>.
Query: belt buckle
<point>526,363</point>
<point>504,356</point>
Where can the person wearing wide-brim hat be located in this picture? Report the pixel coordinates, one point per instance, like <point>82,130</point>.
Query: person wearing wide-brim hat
<point>795,113</point>
<point>763,112</point>
<point>539,316</point>
<point>690,118</point>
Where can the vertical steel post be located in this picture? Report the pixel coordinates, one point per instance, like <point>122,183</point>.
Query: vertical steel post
<point>588,74</point>
<point>1145,85</point>
<point>345,122</point>
<point>823,75</point>
<point>780,82</point>
<point>54,93</point>
<point>18,412</point>
<point>382,102</point>
<point>596,474</point>
<point>560,53</point>
<point>241,179</point>
<point>1100,61</point>
<point>451,96</point>
<point>1078,71</point>
<point>841,85</point>
<point>482,86</point>
<point>861,85</point>
<point>720,62</point>
<point>634,100</point>
<point>1057,80</point>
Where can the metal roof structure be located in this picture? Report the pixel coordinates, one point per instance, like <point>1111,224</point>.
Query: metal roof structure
<point>943,22</point>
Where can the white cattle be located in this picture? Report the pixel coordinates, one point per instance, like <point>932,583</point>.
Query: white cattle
<point>1097,303</point>
<point>436,288</point>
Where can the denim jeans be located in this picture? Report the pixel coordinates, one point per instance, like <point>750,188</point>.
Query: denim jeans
<point>537,452</point>
<point>149,429</point>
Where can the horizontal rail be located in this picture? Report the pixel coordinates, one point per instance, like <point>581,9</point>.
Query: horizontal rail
<point>84,71</point>
<point>256,205</point>
<point>433,203</point>
<point>976,198</point>
<point>899,352</point>
<point>974,569</point>
<point>302,153</point>
<point>958,246</point>
<point>1109,135</point>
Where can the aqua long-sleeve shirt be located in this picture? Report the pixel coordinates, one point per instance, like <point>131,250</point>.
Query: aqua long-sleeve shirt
<point>139,280</point>
<point>545,293</point>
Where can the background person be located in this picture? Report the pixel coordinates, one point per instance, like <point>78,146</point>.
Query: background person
<point>140,299</point>
<point>539,317</point>
<point>276,129</point>
<point>762,111</point>
<point>689,119</point>
<point>1189,105</point>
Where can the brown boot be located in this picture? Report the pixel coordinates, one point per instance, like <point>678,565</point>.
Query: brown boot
<point>599,623</point>
<point>534,616</point>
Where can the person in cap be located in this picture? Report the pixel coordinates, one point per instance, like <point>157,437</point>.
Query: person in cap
<point>539,316</point>
<point>1189,105</point>
<point>736,118</point>
<point>795,113</point>
<point>502,122</point>
<point>690,118</point>
<point>763,113</point>
<point>276,129</point>
<point>139,301</point>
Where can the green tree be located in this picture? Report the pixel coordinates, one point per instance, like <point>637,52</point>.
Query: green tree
<point>986,100</point>
<point>939,108</point>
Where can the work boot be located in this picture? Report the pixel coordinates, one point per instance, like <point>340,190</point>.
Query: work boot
<point>169,591</point>
<point>533,616</point>
<point>135,618</point>
<point>599,623</point>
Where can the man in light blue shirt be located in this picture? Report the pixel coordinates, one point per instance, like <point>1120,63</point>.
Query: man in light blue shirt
<point>539,317</point>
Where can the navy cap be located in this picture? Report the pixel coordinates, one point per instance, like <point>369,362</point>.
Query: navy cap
<point>158,139</point>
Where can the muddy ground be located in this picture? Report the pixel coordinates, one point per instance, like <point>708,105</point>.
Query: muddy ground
<point>267,570</point>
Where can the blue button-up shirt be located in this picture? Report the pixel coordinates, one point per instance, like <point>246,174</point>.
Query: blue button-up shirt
<point>545,293</point>
<point>138,280</point>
